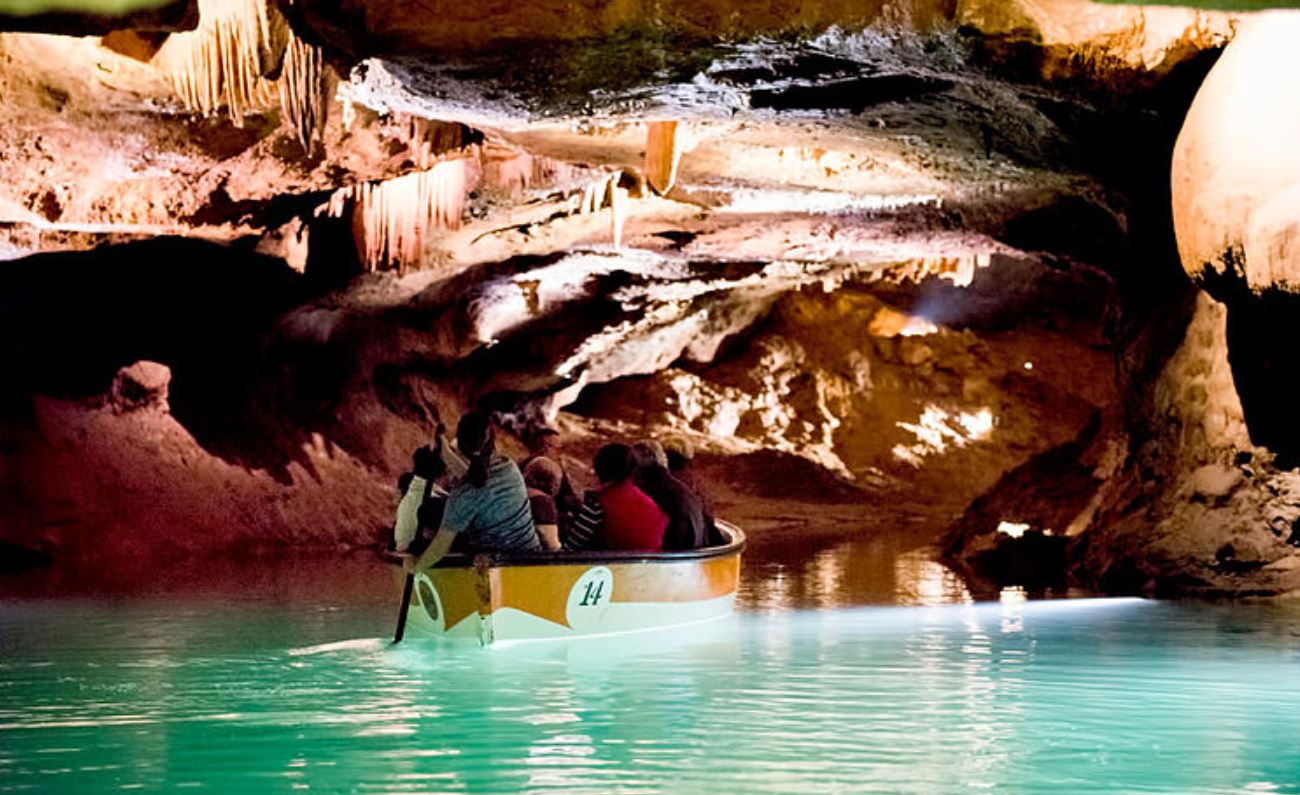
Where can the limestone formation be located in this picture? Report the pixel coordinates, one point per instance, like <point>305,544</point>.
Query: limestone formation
<point>870,259</point>
<point>1236,170</point>
<point>241,56</point>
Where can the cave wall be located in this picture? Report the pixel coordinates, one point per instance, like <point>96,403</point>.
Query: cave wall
<point>929,163</point>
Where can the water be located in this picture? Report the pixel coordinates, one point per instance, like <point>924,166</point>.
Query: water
<point>282,684</point>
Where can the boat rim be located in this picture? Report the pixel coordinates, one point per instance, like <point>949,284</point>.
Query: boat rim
<point>734,545</point>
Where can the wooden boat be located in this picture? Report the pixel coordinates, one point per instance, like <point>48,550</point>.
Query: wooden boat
<point>504,597</point>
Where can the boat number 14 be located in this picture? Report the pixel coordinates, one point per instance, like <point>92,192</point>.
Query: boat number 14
<point>591,595</point>
<point>589,598</point>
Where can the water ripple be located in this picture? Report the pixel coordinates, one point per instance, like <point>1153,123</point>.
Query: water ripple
<point>1082,697</point>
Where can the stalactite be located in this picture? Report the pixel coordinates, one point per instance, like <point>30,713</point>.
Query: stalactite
<point>617,209</point>
<point>662,155</point>
<point>392,219</point>
<point>302,93</point>
<point>222,63</point>
<point>428,140</point>
<point>608,191</point>
<point>513,171</point>
<point>236,57</point>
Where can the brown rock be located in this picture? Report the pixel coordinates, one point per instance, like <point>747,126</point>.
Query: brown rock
<point>141,385</point>
<point>1214,483</point>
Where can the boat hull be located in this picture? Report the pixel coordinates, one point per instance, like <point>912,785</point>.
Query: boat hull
<point>494,598</point>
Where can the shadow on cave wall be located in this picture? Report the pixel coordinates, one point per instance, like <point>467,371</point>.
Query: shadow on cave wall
<point>70,321</point>
<point>262,358</point>
<point>1266,371</point>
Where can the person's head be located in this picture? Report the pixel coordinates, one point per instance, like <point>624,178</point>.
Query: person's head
<point>679,453</point>
<point>544,475</point>
<point>541,440</point>
<point>477,442</point>
<point>613,463</point>
<point>648,454</point>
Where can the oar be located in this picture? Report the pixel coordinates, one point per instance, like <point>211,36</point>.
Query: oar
<point>406,603</point>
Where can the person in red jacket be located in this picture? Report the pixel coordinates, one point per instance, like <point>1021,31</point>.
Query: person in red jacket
<point>619,515</point>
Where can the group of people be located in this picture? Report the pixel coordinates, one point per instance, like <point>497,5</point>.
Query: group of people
<point>471,499</point>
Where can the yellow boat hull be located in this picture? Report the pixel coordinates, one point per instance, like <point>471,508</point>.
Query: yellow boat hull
<point>491,598</point>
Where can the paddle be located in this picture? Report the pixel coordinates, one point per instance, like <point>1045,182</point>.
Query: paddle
<point>406,603</point>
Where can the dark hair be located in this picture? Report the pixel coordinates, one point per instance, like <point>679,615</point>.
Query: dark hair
<point>613,463</point>
<point>476,441</point>
<point>677,461</point>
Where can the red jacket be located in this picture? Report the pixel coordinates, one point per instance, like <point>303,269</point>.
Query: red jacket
<point>632,520</point>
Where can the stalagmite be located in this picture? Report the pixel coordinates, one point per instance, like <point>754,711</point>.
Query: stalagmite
<point>662,155</point>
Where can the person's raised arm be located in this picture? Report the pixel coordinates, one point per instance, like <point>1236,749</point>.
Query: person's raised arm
<point>407,520</point>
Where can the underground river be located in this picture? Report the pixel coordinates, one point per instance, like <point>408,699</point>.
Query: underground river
<point>861,668</point>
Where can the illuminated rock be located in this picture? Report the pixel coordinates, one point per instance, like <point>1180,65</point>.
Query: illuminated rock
<point>1236,168</point>
<point>141,385</point>
<point>1149,37</point>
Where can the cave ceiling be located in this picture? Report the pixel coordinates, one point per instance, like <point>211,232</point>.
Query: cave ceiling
<point>780,135</point>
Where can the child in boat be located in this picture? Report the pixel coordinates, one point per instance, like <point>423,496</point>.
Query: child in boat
<point>488,510</point>
<point>619,516</point>
<point>685,510</point>
<point>543,477</point>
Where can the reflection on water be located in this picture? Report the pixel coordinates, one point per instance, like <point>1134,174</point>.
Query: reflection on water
<point>879,571</point>
<point>1018,695</point>
<point>283,683</point>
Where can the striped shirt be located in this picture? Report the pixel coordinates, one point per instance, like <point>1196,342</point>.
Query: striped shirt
<point>495,517</point>
<point>619,516</point>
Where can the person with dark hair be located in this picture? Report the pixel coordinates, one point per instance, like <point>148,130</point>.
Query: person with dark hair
<point>487,511</point>
<point>542,476</point>
<point>542,441</point>
<point>681,465</point>
<point>687,528</point>
<point>619,515</point>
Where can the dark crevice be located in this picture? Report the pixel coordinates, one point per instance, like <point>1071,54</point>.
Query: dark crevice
<point>70,321</point>
<point>1266,373</point>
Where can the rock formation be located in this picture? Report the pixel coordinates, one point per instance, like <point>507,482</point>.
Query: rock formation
<point>1197,494</point>
<point>887,257</point>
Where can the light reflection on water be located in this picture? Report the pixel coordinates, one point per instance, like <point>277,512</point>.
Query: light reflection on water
<point>1080,696</point>
<point>850,573</point>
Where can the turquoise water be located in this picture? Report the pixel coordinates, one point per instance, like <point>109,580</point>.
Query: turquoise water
<point>279,688</point>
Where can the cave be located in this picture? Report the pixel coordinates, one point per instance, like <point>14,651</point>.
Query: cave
<point>968,322</point>
<point>877,265</point>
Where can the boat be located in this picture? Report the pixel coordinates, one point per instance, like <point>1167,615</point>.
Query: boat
<point>494,597</point>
